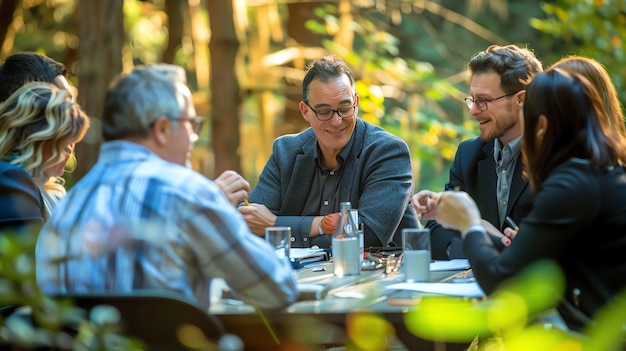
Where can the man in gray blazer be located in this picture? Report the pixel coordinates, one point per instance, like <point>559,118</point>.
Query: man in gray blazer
<point>339,158</point>
<point>489,167</point>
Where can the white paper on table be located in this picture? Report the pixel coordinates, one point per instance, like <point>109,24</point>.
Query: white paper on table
<point>451,289</point>
<point>451,265</point>
<point>304,252</point>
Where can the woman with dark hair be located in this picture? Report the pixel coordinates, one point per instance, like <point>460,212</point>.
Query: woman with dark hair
<point>573,159</point>
<point>24,67</point>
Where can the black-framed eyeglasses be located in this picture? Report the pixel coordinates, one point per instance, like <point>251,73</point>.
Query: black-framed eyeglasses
<point>481,104</point>
<point>196,123</point>
<point>325,113</point>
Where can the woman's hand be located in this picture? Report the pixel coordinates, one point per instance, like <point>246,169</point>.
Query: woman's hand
<point>457,210</point>
<point>510,233</point>
<point>493,231</point>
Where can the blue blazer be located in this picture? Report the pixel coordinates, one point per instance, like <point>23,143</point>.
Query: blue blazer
<point>20,200</point>
<point>379,184</point>
<point>474,171</point>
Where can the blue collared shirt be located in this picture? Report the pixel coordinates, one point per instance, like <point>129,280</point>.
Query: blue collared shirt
<point>138,222</point>
<point>505,167</point>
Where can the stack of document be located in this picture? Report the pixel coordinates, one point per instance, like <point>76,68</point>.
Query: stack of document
<point>450,289</point>
<point>464,289</point>
<point>450,265</point>
<point>301,256</point>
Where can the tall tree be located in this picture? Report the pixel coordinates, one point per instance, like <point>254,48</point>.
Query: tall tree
<point>7,8</point>
<point>101,35</point>
<point>175,25</point>
<point>225,98</point>
<point>298,15</point>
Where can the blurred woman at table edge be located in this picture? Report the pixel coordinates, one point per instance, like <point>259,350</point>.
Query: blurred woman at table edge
<point>574,159</point>
<point>39,126</point>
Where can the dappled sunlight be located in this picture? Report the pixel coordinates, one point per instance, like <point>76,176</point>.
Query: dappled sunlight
<point>368,331</point>
<point>538,338</point>
<point>609,331</point>
<point>507,311</point>
<point>446,318</point>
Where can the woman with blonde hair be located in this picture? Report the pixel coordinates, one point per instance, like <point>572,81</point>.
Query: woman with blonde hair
<point>39,126</point>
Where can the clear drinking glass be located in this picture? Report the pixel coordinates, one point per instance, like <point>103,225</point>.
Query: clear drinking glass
<point>280,239</point>
<point>416,254</point>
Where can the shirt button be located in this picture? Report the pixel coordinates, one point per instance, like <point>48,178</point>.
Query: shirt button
<point>332,172</point>
<point>326,203</point>
<point>294,239</point>
<point>305,239</point>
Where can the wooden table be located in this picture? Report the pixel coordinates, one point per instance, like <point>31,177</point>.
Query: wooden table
<point>322,316</point>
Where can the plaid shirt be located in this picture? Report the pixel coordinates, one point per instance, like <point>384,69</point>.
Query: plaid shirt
<point>137,222</point>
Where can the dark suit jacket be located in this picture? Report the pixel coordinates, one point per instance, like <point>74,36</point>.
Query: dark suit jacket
<point>20,199</point>
<point>474,171</point>
<point>377,179</point>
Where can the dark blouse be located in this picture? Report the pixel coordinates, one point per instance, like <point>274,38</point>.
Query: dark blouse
<point>578,220</point>
<point>20,199</point>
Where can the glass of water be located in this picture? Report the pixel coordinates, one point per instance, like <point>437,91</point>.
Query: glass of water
<point>280,239</point>
<point>416,254</point>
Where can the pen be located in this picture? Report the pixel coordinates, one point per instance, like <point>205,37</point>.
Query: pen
<point>511,223</point>
<point>404,302</point>
<point>245,201</point>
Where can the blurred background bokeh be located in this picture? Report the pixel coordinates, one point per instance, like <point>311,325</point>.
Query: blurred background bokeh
<point>245,60</point>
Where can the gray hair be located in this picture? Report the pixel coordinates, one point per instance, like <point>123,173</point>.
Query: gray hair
<point>135,100</point>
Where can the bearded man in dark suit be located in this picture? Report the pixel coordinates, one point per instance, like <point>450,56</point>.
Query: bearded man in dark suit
<point>489,167</point>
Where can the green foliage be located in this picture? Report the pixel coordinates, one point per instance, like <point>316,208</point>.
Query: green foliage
<point>146,31</point>
<point>590,28</point>
<point>40,321</point>
<point>408,97</point>
<point>47,28</point>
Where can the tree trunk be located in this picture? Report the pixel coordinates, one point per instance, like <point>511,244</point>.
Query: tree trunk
<point>175,25</point>
<point>298,14</point>
<point>7,9</point>
<point>101,35</point>
<point>225,95</point>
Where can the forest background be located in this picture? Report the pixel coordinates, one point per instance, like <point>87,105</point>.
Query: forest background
<point>245,61</point>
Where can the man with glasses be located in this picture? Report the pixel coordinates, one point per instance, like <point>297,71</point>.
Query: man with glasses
<point>489,167</point>
<point>339,158</point>
<point>141,219</point>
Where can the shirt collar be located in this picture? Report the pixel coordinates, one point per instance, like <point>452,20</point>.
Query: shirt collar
<point>341,157</point>
<point>515,145</point>
<point>117,150</point>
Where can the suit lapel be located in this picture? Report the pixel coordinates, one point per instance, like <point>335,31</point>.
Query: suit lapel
<point>518,186</point>
<point>299,186</point>
<point>488,178</point>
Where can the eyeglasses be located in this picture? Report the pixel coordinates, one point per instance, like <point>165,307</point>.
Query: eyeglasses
<point>481,104</point>
<point>196,123</point>
<point>325,114</point>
